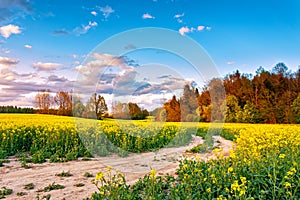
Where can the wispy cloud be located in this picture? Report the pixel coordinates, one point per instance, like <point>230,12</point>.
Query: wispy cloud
<point>8,30</point>
<point>208,28</point>
<point>12,9</point>
<point>230,62</point>
<point>85,28</point>
<point>106,11</point>
<point>60,32</point>
<point>147,16</point>
<point>27,46</point>
<point>178,17</point>
<point>55,78</point>
<point>40,66</point>
<point>6,62</point>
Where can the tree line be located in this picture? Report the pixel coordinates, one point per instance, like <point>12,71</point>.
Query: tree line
<point>266,97</point>
<point>67,104</point>
<point>15,109</point>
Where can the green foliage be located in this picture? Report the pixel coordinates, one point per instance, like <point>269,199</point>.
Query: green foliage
<point>52,186</point>
<point>21,193</point>
<point>296,109</point>
<point>232,108</point>
<point>195,149</point>
<point>4,191</point>
<point>88,175</point>
<point>38,157</point>
<point>79,185</point>
<point>29,186</point>
<point>64,174</point>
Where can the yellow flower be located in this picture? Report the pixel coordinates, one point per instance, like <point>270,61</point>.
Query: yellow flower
<point>244,180</point>
<point>99,176</point>
<point>242,192</point>
<point>282,156</point>
<point>287,184</point>
<point>109,168</point>
<point>152,173</point>
<point>208,190</point>
<point>230,169</point>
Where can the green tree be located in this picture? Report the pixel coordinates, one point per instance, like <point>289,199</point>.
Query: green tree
<point>188,104</point>
<point>296,109</point>
<point>232,109</point>
<point>96,107</point>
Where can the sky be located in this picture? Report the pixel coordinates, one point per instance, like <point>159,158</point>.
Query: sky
<point>60,45</point>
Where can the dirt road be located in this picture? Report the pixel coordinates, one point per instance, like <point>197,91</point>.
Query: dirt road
<point>13,176</point>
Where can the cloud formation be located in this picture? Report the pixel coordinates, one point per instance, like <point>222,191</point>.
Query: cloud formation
<point>230,62</point>
<point>106,11</point>
<point>40,66</point>
<point>147,16</point>
<point>27,46</point>
<point>179,17</point>
<point>6,62</point>
<point>60,32</point>
<point>12,9</point>
<point>185,29</point>
<point>8,30</point>
<point>85,28</point>
<point>94,13</point>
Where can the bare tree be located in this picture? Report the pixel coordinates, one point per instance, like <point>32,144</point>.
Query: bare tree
<point>43,101</point>
<point>64,102</point>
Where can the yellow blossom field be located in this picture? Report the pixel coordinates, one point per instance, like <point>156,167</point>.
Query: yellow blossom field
<point>264,162</point>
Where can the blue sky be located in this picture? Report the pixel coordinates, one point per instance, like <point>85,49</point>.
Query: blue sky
<point>43,44</point>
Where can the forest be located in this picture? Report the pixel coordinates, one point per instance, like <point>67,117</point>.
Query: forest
<point>266,97</point>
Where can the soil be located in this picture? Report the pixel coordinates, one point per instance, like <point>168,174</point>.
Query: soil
<point>164,161</point>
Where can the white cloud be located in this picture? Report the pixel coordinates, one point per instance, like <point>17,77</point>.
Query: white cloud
<point>230,62</point>
<point>84,28</point>
<point>40,66</point>
<point>27,46</point>
<point>8,30</point>
<point>6,62</point>
<point>106,11</point>
<point>94,13</point>
<point>179,15</point>
<point>200,28</point>
<point>147,16</point>
<point>183,30</point>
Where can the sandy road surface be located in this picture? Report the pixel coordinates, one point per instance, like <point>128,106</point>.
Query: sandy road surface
<point>134,166</point>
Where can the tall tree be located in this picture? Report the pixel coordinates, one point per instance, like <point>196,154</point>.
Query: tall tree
<point>96,107</point>
<point>173,112</point>
<point>78,107</point>
<point>43,101</point>
<point>64,102</point>
<point>296,109</point>
<point>188,104</point>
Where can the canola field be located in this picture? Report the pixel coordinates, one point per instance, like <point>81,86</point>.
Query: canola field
<point>263,165</point>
